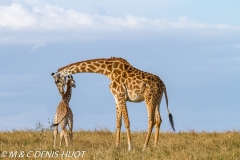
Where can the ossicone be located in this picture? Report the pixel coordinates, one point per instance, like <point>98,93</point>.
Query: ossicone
<point>56,74</point>
<point>70,76</point>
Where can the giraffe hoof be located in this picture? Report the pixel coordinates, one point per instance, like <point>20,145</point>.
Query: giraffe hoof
<point>129,148</point>
<point>144,149</point>
<point>117,146</point>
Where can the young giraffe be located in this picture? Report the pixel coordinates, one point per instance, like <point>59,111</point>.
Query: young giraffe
<point>64,115</point>
<point>127,84</point>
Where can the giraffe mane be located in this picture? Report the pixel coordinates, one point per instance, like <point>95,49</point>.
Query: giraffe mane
<point>112,58</point>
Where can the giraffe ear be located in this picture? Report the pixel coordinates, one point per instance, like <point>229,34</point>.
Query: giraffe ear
<point>52,74</point>
<point>71,76</point>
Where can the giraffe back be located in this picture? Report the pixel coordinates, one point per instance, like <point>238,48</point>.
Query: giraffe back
<point>61,112</point>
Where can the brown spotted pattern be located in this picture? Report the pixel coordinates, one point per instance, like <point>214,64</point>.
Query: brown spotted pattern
<point>127,84</point>
<point>64,115</point>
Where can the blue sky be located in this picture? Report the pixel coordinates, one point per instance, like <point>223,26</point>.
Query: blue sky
<point>192,46</point>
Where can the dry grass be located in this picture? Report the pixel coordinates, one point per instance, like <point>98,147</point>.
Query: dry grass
<point>100,144</point>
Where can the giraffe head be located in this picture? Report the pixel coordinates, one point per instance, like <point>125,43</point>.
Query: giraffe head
<point>60,82</point>
<point>71,82</point>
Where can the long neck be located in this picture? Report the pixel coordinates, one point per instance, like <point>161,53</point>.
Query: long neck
<point>101,66</point>
<point>67,95</point>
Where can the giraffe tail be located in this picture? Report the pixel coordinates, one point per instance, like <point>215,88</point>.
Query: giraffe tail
<point>169,114</point>
<point>53,125</point>
<point>171,121</point>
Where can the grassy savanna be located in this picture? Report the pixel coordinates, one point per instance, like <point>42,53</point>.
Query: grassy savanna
<point>100,144</point>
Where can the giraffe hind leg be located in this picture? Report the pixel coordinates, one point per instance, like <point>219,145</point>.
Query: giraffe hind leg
<point>61,137</point>
<point>158,122</point>
<point>66,136</point>
<point>70,125</point>
<point>55,133</point>
<point>151,121</point>
<point>64,132</point>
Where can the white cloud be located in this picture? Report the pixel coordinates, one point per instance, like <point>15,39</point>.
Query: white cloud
<point>15,16</point>
<point>48,17</point>
<point>38,25</point>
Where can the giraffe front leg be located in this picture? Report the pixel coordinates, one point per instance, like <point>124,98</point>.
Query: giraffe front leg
<point>118,124</point>
<point>127,125</point>
<point>119,93</point>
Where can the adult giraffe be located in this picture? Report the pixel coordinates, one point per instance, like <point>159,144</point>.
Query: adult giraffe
<point>127,84</point>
